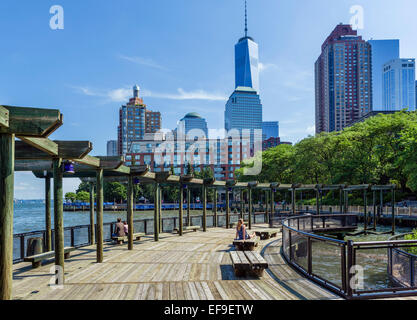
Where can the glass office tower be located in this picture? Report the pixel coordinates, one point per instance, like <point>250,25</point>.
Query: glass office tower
<point>399,85</point>
<point>382,52</point>
<point>243,110</point>
<point>246,63</point>
<point>270,129</point>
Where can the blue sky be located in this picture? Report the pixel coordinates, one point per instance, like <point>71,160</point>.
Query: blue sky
<point>180,52</point>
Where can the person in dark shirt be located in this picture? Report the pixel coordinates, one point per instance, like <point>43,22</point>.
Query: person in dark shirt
<point>119,229</point>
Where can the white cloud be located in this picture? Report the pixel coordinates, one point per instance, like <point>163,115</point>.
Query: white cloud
<point>186,95</point>
<point>142,61</point>
<point>266,66</point>
<point>123,94</point>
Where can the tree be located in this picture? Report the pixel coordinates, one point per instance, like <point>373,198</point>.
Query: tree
<point>114,191</point>
<point>70,196</point>
<point>83,196</point>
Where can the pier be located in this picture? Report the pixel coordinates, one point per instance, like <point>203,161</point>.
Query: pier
<point>195,266</point>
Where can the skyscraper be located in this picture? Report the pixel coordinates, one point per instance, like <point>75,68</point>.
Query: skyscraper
<point>192,123</point>
<point>246,61</point>
<point>112,148</point>
<point>244,109</point>
<point>343,80</point>
<point>382,52</point>
<point>399,85</point>
<point>134,121</point>
<point>270,129</point>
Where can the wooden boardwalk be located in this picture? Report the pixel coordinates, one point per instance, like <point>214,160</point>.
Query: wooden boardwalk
<point>193,267</point>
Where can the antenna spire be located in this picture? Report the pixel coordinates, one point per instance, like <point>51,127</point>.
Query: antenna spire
<point>246,20</point>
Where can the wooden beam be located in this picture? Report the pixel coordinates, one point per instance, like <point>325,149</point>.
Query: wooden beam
<point>32,122</point>
<point>70,150</point>
<point>43,144</point>
<point>87,161</point>
<point>4,117</point>
<point>111,162</point>
<point>38,166</point>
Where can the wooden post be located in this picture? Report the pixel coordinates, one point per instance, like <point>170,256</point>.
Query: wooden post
<point>227,208</point>
<point>317,202</point>
<point>374,207</point>
<point>58,215</point>
<point>48,238</point>
<point>215,208</point>
<point>188,206</point>
<point>99,213</point>
<point>6,214</point>
<point>204,207</point>
<point>293,200</point>
<point>365,213</point>
<point>160,208</point>
<point>92,229</point>
<point>130,197</point>
<point>180,227</point>
<point>156,213</point>
<point>266,206</point>
<point>250,208</point>
<point>242,206</point>
<point>272,203</point>
<point>341,200</point>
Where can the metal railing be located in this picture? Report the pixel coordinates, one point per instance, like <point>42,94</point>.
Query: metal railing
<point>354,270</point>
<point>79,236</point>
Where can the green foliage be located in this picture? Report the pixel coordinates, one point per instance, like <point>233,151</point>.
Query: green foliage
<point>83,196</point>
<point>412,236</point>
<point>70,196</point>
<point>114,191</point>
<point>380,150</point>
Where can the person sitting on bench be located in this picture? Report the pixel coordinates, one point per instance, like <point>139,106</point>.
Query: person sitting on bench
<point>126,227</point>
<point>241,230</point>
<point>119,229</point>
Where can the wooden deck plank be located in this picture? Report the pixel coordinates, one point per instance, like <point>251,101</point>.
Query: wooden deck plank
<point>184,268</point>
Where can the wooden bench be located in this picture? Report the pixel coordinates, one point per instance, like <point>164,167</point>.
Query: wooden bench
<point>189,228</point>
<point>136,236</point>
<point>38,258</point>
<point>246,245</point>
<point>248,262</point>
<point>267,233</point>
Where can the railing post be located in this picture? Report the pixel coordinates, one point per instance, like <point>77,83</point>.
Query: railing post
<point>289,245</point>
<point>343,262</point>
<point>350,263</point>
<point>22,247</point>
<point>72,238</point>
<point>309,256</point>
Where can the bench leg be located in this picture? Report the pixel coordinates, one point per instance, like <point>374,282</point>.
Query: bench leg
<point>258,272</point>
<point>239,272</point>
<point>67,255</point>
<point>36,264</point>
